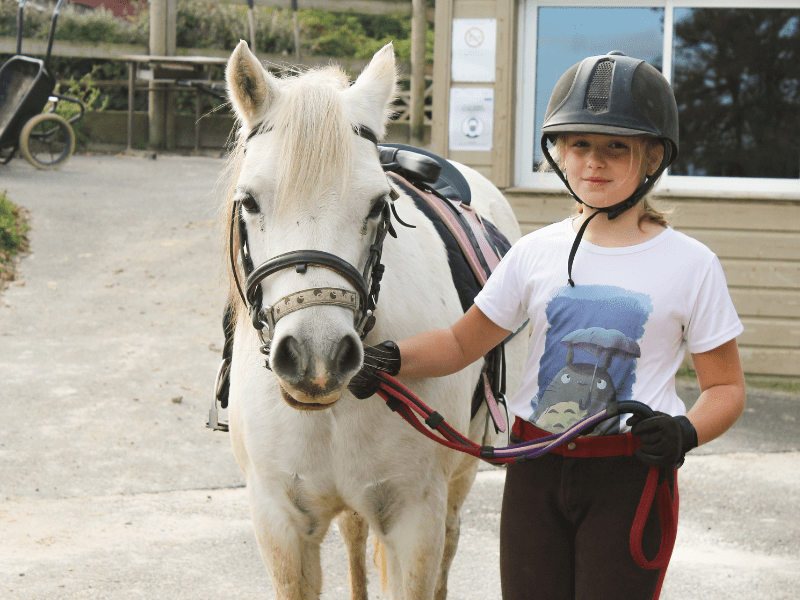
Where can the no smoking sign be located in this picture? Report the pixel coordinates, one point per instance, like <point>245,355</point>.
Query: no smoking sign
<point>474,47</point>
<point>474,37</point>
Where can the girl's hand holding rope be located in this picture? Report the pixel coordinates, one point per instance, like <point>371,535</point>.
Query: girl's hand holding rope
<point>665,439</point>
<point>383,358</point>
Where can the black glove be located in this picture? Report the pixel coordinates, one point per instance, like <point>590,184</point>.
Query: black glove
<point>384,357</point>
<point>665,439</point>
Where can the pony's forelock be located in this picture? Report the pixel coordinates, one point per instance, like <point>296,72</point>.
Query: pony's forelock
<point>314,136</point>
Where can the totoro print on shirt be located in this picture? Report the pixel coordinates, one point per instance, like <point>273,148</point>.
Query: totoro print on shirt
<point>590,355</point>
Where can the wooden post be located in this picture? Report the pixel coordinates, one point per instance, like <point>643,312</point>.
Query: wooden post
<point>251,24</point>
<point>170,109</point>
<point>504,86</point>
<point>131,98</point>
<point>296,25</point>
<point>156,98</point>
<point>441,77</point>
<point>163,25</point>
<point>419,27</point>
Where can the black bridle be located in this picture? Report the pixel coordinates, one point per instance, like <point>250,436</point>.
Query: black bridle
<point>362,300</point>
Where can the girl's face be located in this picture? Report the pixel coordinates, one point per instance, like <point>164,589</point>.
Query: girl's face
<point>604,170</point>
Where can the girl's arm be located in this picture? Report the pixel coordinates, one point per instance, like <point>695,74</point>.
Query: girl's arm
<point>444,351</point>
<point>722,397</point>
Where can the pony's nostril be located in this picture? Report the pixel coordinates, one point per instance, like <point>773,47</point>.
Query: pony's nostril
<point>347,357</point>
<point>289,360</point>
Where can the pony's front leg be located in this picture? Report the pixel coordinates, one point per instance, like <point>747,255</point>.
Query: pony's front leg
<point>457,493</point>
<point>415,545</point>
<point>289,538</point>
<point>354,530</point>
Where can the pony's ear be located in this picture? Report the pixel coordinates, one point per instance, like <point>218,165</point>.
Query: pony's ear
<point>251,89</point>
<point>370,98</point>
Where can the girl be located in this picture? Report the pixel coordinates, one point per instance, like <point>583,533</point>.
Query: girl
<point>614,326</point>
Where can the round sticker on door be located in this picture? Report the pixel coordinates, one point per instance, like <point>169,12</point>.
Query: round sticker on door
<point>472,127</point>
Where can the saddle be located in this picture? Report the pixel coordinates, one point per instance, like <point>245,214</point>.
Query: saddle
<point>474,245</point>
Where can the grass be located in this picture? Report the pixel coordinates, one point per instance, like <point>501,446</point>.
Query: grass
<point>790,385</point>
<point>13,239</point>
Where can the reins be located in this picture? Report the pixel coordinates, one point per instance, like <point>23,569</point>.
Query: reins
<point>406,404</point>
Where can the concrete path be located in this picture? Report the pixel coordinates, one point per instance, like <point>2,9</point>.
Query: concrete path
<point>111,487</point>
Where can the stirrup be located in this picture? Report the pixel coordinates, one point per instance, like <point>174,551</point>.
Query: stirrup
<point>221,385</point>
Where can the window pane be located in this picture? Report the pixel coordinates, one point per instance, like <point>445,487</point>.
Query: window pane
<point>737,82</point>
<point>568,35</point>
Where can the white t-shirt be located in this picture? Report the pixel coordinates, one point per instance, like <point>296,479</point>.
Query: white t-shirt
<point>620,333</point>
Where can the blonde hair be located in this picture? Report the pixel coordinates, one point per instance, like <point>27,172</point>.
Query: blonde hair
<point>650,210</point>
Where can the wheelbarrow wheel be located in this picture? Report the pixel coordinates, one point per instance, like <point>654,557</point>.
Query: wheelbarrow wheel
<point>47,140</point>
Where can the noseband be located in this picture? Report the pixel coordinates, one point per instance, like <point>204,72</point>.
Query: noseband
<point>362,301</point>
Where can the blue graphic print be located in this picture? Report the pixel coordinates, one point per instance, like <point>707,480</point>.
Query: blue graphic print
<point>590,355</point>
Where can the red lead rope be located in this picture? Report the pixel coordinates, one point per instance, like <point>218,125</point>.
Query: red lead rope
<point>668,513</point>
<point>403,401</point>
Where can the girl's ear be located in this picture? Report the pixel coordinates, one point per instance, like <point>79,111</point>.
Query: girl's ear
<point>558,151</point>
<point>655,154</point>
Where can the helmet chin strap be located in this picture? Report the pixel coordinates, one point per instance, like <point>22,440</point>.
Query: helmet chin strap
<point>611,211</point>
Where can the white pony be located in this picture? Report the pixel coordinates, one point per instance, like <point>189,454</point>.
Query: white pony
<point>304,180</point>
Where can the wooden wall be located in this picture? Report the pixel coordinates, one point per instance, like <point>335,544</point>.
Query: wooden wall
<point>758,243</point>
<point>496,164</point>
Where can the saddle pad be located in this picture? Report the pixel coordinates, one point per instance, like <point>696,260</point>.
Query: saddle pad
<point>468,276</point>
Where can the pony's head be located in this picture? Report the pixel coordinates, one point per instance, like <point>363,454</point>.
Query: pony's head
<point>304,181</point>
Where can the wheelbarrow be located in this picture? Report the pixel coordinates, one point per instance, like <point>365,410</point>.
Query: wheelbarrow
<point>45,139</point>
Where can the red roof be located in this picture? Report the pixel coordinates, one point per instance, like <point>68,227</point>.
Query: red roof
<point>120,8</point>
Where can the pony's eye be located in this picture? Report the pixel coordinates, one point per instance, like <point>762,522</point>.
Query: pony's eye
<point>249,203</point>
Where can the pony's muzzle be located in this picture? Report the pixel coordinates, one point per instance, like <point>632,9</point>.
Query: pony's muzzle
<point>315,375</point>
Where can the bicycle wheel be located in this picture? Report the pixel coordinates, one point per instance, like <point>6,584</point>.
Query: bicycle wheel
<point>46,141</point>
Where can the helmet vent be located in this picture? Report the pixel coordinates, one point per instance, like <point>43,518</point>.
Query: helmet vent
<point>599,87</point>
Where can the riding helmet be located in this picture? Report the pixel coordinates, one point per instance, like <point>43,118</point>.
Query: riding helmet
<point>614,94</point>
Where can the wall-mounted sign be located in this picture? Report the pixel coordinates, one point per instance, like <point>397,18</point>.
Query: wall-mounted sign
<point>471,118</point>
<point>474,49</point>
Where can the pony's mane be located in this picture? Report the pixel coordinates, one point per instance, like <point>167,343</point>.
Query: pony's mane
<point>315,137</point>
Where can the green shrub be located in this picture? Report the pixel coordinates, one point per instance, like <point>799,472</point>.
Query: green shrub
<point>358,36</point>
<point>84,90</point>
<point>218,25</point>
<point>75,23</point>
<point>13,240</point>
